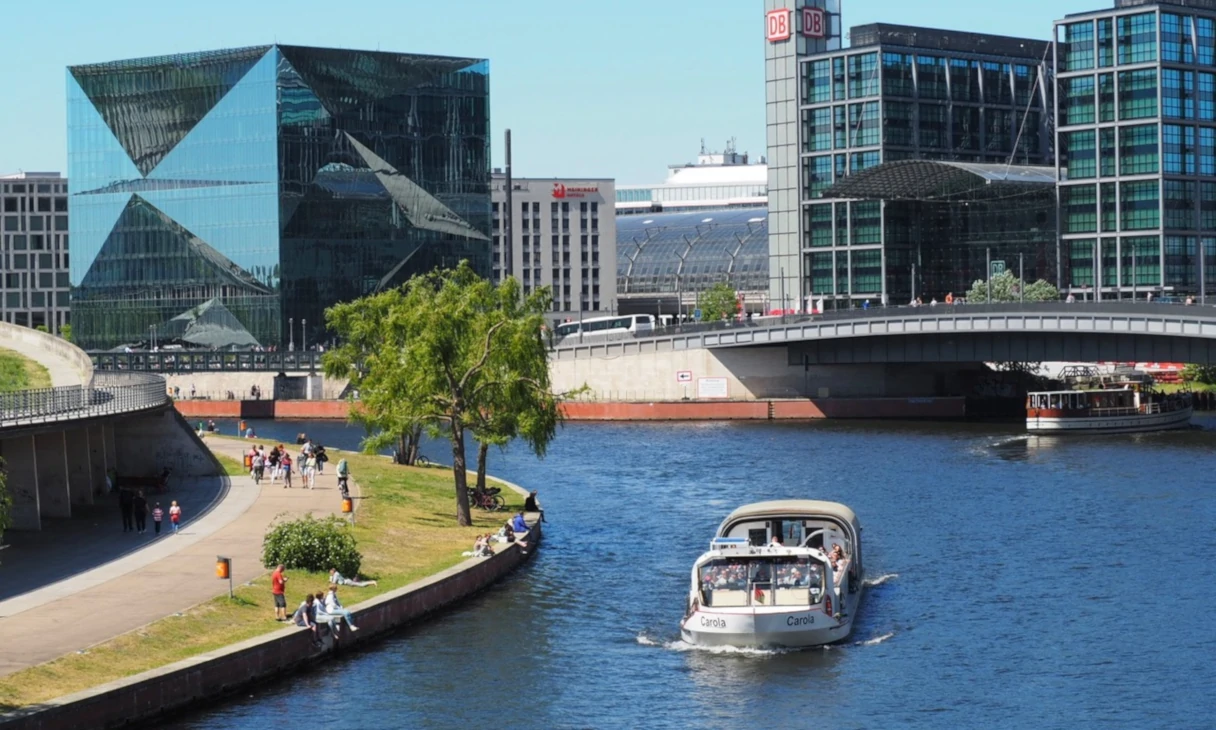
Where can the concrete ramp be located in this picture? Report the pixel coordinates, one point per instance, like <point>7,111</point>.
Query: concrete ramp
<point>67,363</point>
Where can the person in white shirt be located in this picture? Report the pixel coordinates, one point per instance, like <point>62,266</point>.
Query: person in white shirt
<point>333,607</point>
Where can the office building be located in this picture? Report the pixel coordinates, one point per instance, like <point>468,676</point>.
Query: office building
<point>563,236</point>
<point>34,288</point>
<point>1137,148</point>
<point>897,93</point>
<point>716,181</point>
<point>254,187</point>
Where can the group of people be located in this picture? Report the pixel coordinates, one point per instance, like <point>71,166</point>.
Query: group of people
<point>135,509</point>
<point>508,533</point>
<point>316,608</point>
<point>277,464</point>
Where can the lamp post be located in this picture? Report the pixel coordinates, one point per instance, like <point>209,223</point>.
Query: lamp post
<point>1021,278</point>
<point>989,275</point>
<point>291,334</point>
<point>152,335</point>
<point>303,335</point>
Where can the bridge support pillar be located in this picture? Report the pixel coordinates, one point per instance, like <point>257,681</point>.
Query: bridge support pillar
<point>97,459</point>
<point>80,472</point>
<point>107,446</point>
<point>21,462</point>
<point>50,450</point>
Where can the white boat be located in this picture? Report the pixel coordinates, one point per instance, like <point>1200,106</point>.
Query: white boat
<point>768,578</point>
<point>1130,408</point>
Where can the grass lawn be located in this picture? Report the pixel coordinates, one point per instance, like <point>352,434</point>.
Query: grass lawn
<point>18,372</point>
<point>1194,387</point>
<point>232,467</point>
<point>405,529</point>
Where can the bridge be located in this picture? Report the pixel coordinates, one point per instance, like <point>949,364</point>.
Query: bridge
<point>890,351</point>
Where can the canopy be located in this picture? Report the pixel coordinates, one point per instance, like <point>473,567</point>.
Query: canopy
<point>789,508</point>
<point>208,325</point>
<point>937,179</point>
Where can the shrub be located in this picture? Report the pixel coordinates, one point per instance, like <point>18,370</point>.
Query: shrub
<point>313,545</point>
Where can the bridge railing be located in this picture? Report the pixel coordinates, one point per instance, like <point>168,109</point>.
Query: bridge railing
<point>205,361</point>
<point>925,311</point>
<point>110,394</point>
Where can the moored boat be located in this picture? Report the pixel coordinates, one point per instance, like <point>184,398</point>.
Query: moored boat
<point>1128,408</point>
<point>785,573</point>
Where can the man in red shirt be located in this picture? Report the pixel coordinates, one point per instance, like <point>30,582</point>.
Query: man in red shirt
<point>278,583</point>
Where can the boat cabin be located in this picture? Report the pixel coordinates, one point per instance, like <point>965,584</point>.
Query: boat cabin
<point>763,577</point>
<point>1081,401</point>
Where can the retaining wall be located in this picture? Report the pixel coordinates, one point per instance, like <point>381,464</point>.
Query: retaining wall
<point>153,694</point>
<point>29,342</point>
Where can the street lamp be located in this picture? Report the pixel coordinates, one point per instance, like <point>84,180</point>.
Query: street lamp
<point>291,334</point>
<point>303,335</point>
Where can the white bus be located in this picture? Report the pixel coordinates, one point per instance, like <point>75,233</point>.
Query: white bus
<point>626,324</point>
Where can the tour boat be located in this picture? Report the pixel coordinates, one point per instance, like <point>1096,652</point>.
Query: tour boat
<point>769,580</point>
<point>1128,408</point>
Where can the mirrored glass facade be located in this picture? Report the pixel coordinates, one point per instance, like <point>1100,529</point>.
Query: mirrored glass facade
<point>902,93</point>
<point>270,182</point>
<point>1138,177</point>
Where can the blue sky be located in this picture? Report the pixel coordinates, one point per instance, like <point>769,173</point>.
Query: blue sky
<point>614,88</point>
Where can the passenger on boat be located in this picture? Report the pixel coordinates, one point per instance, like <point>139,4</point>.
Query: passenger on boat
<point>775,542</point>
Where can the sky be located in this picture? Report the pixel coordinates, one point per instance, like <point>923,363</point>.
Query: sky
<point>614,88</point>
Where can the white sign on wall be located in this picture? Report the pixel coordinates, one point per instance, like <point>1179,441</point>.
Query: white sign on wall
<point>712,388</point>
<point>684,376</point>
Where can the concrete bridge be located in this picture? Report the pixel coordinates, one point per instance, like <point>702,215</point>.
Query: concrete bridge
<point>890,352</point>
<point>59,443</point>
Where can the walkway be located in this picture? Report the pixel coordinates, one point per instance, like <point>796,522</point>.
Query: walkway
<point>62,360</point>
<point>166,577</point>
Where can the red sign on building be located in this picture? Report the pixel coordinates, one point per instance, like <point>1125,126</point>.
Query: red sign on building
<point>777,25</point>
<point>561,191</point>
<point>814,23</point>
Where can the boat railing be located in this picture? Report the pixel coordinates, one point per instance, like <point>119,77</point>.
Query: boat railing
<point>1118,411</point>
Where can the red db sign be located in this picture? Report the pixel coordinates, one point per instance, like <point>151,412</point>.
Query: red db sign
<point>813,25</point>
<point>777,25</point>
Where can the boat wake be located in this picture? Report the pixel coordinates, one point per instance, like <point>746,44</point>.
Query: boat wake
<point>871,582</point>
<point>876,640</point>
<point>681,645</point>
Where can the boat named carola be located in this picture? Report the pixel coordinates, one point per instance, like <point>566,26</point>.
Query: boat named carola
<point>1128,407</point>
<point>785,573</point>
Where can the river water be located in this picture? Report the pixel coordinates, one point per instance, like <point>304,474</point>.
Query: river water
<point>1015,582</point>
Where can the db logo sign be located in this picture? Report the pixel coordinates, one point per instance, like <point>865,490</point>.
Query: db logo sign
<point>559,190</point>
<point>777,25</point>
<point>813,23</point>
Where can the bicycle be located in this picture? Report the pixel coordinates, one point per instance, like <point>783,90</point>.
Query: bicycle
<point>421,460</point>
<point>490,501</point>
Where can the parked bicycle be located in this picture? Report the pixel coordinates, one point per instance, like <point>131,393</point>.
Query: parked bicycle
<point>489,500</point>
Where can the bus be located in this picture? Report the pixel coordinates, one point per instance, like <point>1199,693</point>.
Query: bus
<point>626,324</point>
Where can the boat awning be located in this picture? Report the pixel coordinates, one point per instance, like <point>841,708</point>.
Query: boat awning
<point>937,180</point>
<point>787,507</point>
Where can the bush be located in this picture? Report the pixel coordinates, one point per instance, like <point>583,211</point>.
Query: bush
<point>313,545</point>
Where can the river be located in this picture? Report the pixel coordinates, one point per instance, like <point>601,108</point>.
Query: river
<point>1016,582</point>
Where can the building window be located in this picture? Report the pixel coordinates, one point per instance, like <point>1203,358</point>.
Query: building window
<point>1138,94</point>
<point>817,86</point>
<point>1205,29</point>
<point>1176,38</point>
<point>1205,97</point>
<point>1024,78</point>
<point>1138,150</point>
<point>1079,46</point>
<point>1179,204</point>
<point>859,161</point>
<point>998,131</point>
<point>897,125</point>
<point>1081,262</point>
<point>897,75</point>
<point>1207,151</point>
<point>819,224</point>
<point>864,123</point>
<point>867,271</point>
<point>1108,159</point>
<point>1106,42</point>
<point>838,78</point>
<point>932,125</point>
<point>964,80</point>
<point>863,75</point>
<point>1080,204</point>
<point>1207,207</point>
<point>1109,211</point>
<point>821,273</point>
<point>1079,154</point>
<point>996,83</point>
<point>1137,38</point>
<point>816,176</point>
<point>1106,97</point>
<point>866,222</point>
<point>840,127</point>
<point>1179,149</point>
<point>1179,258</point>
<point>1147,268</point>
<point>1178,93</point>
<point>817,129</point>
<point>966,132</point>
<point>1140,206</point>
<point>1078,101</point>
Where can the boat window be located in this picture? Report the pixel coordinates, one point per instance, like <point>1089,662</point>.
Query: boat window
<point>777,581</point>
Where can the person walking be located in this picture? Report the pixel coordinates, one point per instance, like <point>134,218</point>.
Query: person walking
<point>158,515</point>
<point>278,589</point>
<point>175,515</point>
<point>285,465</point>
<point>126,503</point>
<point>140,505</point>
<point>259,467</point>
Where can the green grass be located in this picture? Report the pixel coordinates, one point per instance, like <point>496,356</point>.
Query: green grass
<point>232,467</point>
<point>406,530</point>
<point>1194,387</point>
<point>18,372</point>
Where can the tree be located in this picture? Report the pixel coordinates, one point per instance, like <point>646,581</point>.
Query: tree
<point>1006,286</point>
<point>718,302</point>
<point>1205,374</point>
<point>6,500</point>
<point>451,352</point>
<point>65,332</point>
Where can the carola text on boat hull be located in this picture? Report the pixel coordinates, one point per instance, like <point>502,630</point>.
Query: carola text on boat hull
<point>778,574</point>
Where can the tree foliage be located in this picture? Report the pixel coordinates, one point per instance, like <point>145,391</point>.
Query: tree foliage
<point>312,544</point>
<point>451,352</point>
<point>6,500</point>
<point>718,301</point>
<point>1006,287</point>
<point>1205,374</point>
<point>65,331</point>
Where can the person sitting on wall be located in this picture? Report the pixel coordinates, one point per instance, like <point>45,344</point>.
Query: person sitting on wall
<point>508,533</point>
<point>531,504</point>
<point>306,617</point>
<point>518,523</point>
<point>334,607</point>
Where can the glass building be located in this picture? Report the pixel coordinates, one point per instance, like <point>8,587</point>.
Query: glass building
<point>1137,148</point>
<point>253,187</point>
<point>902,93</point>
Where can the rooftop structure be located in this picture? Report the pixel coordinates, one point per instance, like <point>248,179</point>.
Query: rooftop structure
<point>725,179</point>
<point>34,289</point>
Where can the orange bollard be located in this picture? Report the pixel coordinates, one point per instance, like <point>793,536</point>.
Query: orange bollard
<point>348,506</point>
<point>223,567</point>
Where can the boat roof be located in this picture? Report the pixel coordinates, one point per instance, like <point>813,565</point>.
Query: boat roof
<point>790,507</point>
<point>1080,390</point>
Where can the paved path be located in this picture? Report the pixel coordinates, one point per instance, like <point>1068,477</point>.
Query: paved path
<point>164,578</point>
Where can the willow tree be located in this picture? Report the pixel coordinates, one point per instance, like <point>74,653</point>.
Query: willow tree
<point>447,351</point>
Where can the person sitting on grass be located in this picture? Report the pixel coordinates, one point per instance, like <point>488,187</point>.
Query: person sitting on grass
<point>338,579</point>
<point>306,617</point>
<point>334,607</point>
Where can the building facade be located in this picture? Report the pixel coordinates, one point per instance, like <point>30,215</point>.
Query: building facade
<point>257,186</point>
<point>1137,148</point>
<point>34,288</point>
<point>718,180</point>
<point>563,237</point>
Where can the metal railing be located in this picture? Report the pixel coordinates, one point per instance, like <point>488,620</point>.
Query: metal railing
<point>110,394</point>
<point>206,361</point>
